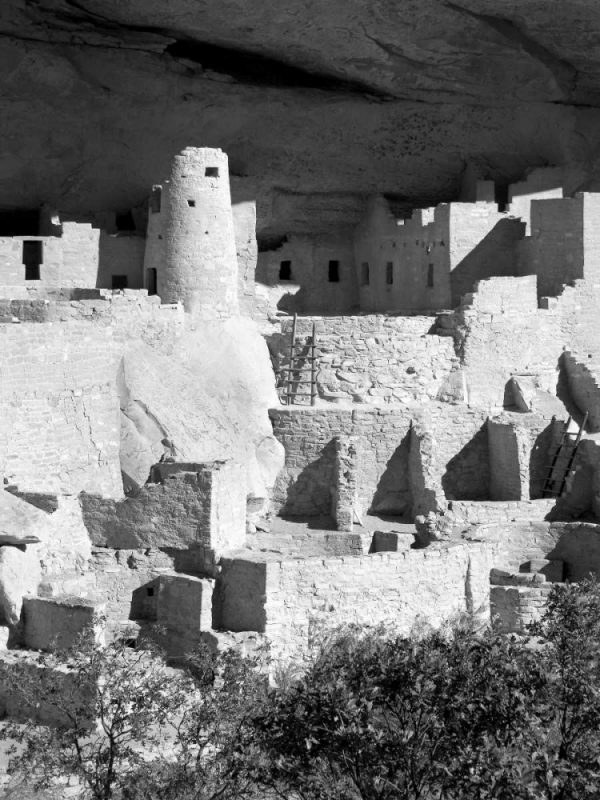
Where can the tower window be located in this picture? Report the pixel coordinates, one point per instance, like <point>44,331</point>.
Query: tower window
<point>192,203</point>
<point>150,591</point>
<point>334,272</point>
<point>430,275</point>
<point>32,258</point>
<point>211,172</point>
<point>389,273</point>
<point>364,274</point>
<point>155,199</point>
<point>119,282</point>
<point>285,271</point>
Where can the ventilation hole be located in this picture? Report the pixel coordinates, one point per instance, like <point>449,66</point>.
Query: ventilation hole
<point>212,172</point>
<point>192,203</point>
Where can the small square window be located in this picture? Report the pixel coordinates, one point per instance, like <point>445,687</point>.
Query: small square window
<point>192,203</point>
<point>334,272</point>
<point>364,274</point>
<point>211,172</point>
<point>389,273</point>
<point>150,591</point>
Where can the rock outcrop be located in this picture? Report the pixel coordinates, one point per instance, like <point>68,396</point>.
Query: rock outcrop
<point>340,99</point>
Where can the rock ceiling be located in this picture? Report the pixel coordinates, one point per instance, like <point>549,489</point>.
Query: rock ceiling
<point>317,102</point>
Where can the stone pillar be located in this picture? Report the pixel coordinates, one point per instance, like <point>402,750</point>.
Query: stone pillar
<point>346,482</point>
<point>200,266</point>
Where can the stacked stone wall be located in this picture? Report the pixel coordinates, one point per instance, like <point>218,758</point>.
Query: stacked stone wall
<point>59,428</point>
<point>373,359</point>
<point>68,260</point>
<point>188,505</point>
<point>296,602</point>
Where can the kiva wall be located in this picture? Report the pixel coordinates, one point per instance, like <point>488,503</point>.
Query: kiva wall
<point>296,601</point>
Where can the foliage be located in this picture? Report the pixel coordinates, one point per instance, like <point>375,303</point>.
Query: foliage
<point>214,736</point>
<point>132,728</point>
<point>113,707</point>
<point>455,715</point>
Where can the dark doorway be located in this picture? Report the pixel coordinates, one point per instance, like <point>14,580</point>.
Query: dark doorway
<point>125,221</point>
<point>155,199</point>
<point>119,282</point>
<point>334,272</point>
<point>151,282</point>
<point>33,256</point>
<point>285,271</point>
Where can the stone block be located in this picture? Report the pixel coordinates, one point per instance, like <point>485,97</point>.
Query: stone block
<point>57,623</point>
<point>552,569</point>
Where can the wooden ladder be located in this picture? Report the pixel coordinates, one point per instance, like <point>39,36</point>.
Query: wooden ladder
<point>301,363</point>
<point>557,472</point>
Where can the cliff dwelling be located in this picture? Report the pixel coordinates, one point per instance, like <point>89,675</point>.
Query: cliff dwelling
<point>285,350</point>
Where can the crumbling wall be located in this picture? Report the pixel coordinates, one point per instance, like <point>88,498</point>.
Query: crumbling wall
<point>499,331</point>
<point>482,244</point>
<point>184,505</point>
<point>449,457</point>
<point>304,486</point>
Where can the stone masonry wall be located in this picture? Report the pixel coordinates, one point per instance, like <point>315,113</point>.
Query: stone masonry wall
<point>68,260</point>
<point>304,487</point>
<point>59,427</point>
<point>412,459</point>
<point>187,505</point>
<point>297,601</point>
<point>373,359</point>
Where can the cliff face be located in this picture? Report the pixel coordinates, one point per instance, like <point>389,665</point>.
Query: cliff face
<point>338,99</point>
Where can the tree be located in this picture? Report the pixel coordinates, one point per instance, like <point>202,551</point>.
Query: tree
<point>119,708</point>
<point>452,715</point>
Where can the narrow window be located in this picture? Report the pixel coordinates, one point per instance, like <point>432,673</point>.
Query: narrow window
<point>32,258</point>
<point>364,274</point>
<point>150,591</point>
<point>151,280</point>
<point>430,275</point>
<point>211,172</point>
<point>285,271</point>
<point>501,196</point>
<point>119,282</point>
<point>155,199</point>
<point>192,203</point>
<point>389,273</point>
<point>334,272</point>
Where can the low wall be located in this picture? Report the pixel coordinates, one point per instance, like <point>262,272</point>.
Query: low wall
<point>295,602</point>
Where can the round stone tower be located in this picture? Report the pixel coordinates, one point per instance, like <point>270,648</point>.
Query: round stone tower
<point>200,262</point>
